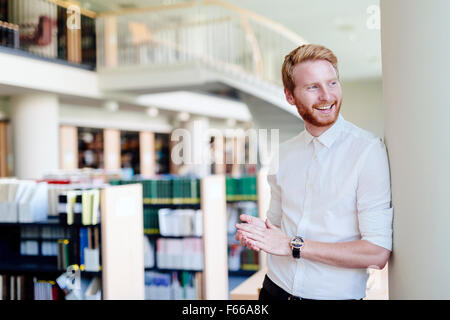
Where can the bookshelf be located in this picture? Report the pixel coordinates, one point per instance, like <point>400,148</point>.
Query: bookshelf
<point>145,152</point>
<point>193,216</point>
<point>246,195</point>
<point>130,151</point>
<point>90,147</point>
<point>30,265</point>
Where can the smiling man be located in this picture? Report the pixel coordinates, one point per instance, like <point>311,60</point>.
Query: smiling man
<point>330,215</point>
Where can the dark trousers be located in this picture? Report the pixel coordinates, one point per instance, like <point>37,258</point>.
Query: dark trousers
<point>272,292</point>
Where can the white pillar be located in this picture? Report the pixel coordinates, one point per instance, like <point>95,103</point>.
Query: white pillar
<point>416,65</point>
<point>35,134</point>
<point>198,145</point>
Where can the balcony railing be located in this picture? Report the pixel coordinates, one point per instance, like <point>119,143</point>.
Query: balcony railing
<point>51,29</point>
<point>211,32</point>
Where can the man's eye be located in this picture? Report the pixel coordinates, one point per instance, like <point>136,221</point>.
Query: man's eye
<point>312,87</point>
<point>333,83</point>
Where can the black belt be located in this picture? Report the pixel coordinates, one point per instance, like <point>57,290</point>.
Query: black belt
<point>278,293</point>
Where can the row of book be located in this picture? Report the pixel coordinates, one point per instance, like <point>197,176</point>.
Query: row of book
<point>46,290</point>
<point>185,254</point>
<point>180,222</point>
<point>29,248</point>
<point>168,191</point>
<point>173,286</point>
<point>43,232</point>
<point>240,258</point>
<point>20,287</point>
<point>151,220</point>
<point>79,207</point>
<point>149,253</point>
<point>9,35</point>
<point>23,201</point>
<point>243,188</point>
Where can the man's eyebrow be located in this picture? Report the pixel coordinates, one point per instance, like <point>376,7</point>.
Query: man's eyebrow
<point>316,82</point>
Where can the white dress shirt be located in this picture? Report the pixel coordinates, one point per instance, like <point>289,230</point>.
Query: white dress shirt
<point>333,188</point>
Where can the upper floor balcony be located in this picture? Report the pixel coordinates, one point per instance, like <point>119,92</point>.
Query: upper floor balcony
<point>50,30</point>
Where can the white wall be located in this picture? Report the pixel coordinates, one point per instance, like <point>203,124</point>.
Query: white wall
<point>96,117</point>
<point>23,72</point>
<point>362,105</point>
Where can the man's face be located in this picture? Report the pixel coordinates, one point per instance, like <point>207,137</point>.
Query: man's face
<point>317,93</point>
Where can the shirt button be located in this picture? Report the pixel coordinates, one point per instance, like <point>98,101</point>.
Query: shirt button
<point>315,157</point>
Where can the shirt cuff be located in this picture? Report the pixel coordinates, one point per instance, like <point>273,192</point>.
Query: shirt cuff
<point>376,227</point>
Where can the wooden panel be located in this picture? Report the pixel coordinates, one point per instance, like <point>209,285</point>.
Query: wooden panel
<point>215,273</point>
<point>111,56</point>
<point>263,189</point>
<point>219,155</point>
<point>3,151</point>
<point>249,289</point>
<point>122,242</point>
<point>111,138</point>
<point>74,45</point>
<point>68,147</point>
<point>147,153</point>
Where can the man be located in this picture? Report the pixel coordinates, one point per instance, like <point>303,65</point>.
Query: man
<point>330,214</point>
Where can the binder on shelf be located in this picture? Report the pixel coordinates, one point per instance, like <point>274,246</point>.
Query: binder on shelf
<point>86,215</point>
<point>84,243</point>
<point>22,201</point>
<point>92,259</point>
<point>180,222</point>
<point>33,203</point>
<point>93,291</point>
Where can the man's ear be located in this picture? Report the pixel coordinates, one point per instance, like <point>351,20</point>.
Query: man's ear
<point>289,96</point>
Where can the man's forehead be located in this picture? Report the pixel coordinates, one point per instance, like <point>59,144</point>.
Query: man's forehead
<point>314,70</point>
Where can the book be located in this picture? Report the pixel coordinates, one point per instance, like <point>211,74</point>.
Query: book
<point>86,207</point>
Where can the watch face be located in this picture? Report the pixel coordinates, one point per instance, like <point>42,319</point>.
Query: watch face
<point>297,242</point>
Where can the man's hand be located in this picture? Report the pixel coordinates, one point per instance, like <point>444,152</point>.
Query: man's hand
<point>243,239</point>
<point>263,236</point>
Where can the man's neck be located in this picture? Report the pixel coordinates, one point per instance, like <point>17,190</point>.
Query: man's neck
<point>317,131</point>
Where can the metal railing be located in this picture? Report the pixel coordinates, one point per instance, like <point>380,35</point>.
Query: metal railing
<point>51,29</point>
<point>211,32</point>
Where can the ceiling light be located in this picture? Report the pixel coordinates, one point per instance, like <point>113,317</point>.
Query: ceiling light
<point>153,112</point>
<point>183,116</point>
<point>111,105</point>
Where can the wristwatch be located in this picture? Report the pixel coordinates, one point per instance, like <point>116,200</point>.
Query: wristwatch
<point>296,246</point>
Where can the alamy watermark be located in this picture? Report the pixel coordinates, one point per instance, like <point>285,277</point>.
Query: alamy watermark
<point>251,146</point>
<point>73,17</point>
<point>373,21</point>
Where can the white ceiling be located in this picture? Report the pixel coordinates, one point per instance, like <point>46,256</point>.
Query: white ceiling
<point>340,25</point>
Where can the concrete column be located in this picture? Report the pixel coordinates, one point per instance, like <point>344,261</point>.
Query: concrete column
<point>35,126</point>
<point>198,145</point>
<point>416,64</point>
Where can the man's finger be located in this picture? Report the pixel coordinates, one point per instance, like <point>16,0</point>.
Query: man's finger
<point>250,228</point>
<point>252,220</point>
<point>252,236</point>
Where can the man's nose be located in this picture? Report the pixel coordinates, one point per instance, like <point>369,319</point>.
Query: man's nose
<point>324,94</point>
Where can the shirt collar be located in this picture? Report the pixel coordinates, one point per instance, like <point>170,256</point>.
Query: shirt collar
<point>329,136</point>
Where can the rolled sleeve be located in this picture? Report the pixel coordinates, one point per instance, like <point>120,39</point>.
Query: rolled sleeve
<point>375,212</point>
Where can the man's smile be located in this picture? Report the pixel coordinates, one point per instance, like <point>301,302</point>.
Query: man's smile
<point>325,109</point>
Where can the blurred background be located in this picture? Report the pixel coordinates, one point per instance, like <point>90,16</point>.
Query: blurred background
<point>91,94</point>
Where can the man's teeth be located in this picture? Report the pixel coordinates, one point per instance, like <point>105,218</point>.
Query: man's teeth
<point>325,107</point>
